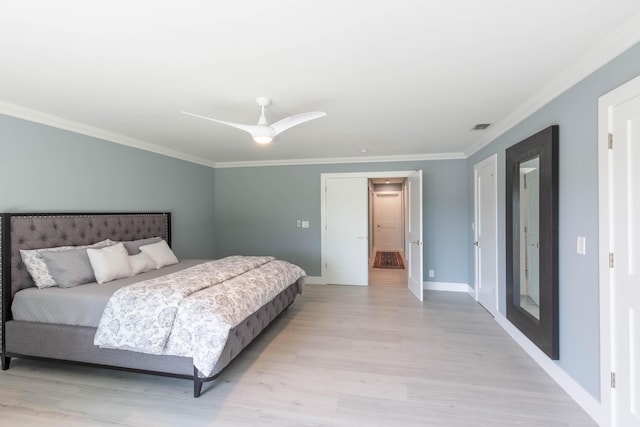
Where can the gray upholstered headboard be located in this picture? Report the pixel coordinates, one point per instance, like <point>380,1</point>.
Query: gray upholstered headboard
<point>35,231</point>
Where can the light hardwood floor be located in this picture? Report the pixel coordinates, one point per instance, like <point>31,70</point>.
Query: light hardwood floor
<point>339,356</point>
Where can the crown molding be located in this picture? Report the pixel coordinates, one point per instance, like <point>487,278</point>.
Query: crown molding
<point>337,160</point>
<point>31,115</point>
<point>617,42</point>
<point>76,127</point>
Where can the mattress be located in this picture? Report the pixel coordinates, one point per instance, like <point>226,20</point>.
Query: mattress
<point>81,305</point>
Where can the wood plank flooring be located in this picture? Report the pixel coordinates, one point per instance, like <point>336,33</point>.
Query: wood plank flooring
<point>339,356</point>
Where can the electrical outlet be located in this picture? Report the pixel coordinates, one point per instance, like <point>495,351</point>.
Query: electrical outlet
<point>305,224</point>
<point>298,223</point>
<point>432,273</point>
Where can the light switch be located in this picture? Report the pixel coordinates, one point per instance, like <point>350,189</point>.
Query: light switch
<point>298,223</point>
<point>582,245</point>
<point>305,224</point>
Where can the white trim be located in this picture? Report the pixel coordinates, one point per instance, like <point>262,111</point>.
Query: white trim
<point>105,135</point>
<point>623,38</point>
<point>448,286</point>
<point>313,280</point>
<point>335,160</point>
<point>605,105</point>
<point>80,128</point>
<point>586,401</point>
<point>491,160</point>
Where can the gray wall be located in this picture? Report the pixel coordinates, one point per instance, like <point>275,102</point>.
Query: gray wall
<point>44,169</point>
<point>256,211</point>
<point>576,112</point>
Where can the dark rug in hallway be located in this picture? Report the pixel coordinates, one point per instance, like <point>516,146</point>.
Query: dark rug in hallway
<point>388,260</point>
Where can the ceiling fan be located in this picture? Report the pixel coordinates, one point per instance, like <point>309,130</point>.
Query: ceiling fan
<point>263,133</point>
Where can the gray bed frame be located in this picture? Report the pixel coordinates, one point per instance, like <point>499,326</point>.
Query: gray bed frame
<point>74,344</point>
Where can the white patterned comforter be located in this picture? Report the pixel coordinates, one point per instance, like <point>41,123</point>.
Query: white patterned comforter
<point>190,313</point>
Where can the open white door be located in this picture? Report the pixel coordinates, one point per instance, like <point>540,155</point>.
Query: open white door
<point>346,231</point>
<point>414,234</point>
<point>625,265</point>
<point>619,254</point>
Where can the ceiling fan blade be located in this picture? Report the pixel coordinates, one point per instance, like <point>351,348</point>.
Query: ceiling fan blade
<point>252,129</point>
<point>291,121</point>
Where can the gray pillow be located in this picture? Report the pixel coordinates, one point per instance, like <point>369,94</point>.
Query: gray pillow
<point>133,246</point>
<point>69,268</point>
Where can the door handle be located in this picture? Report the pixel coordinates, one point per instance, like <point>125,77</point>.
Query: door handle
<point>476,243</point>
<point>417,242</point>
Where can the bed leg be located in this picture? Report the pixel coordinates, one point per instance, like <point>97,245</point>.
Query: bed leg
<point>197,383</point>
<point>5,363</point>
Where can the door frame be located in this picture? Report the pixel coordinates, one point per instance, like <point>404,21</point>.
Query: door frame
<point>323,225</point>
<point>493,159</point>
<point>623,93</point>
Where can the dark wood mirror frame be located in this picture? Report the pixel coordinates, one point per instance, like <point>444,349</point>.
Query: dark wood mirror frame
<point>543,331</point>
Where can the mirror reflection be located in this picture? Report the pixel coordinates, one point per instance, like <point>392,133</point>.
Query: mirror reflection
<point>530,236</point>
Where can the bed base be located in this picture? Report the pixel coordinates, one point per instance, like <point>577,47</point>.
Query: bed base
<point>74,344</point>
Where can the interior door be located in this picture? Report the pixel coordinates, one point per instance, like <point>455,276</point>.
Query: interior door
<point>625,274</point>
<point>346,256</point>
<point>414,233</point>
<point>387,219</point>
<point>485,234</point>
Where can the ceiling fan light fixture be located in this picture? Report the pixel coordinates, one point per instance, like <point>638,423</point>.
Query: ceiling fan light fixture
<point>262,139</point>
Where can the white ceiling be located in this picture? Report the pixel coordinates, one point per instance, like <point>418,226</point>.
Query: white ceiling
<point>401,78</point>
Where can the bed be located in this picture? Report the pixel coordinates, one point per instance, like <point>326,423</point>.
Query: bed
<point>64,324</point>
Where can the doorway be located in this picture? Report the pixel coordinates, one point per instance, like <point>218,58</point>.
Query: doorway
<point>387,223</point>
<point>346,237</point>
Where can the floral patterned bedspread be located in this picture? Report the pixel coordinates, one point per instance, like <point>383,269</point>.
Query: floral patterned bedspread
<point>190,312</point>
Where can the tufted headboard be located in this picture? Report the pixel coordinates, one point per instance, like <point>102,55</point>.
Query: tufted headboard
<point>35,231</point>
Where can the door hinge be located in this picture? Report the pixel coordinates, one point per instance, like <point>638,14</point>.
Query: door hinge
<point>613,380</point>
<point>610,141</point>
<point>610,259</point>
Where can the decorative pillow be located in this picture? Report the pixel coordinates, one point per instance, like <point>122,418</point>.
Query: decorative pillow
<point>110,263</point>
<point>69,268</point>
<point>35,265</point>
<point>160,253</point>
<point>140,263</point>
<point>133,246</point>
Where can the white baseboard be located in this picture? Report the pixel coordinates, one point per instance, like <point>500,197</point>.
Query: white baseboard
<point>313,280</point>
<point>447,286</point>
<point>583,398</point>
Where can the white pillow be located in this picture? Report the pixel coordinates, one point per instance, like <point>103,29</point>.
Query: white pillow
<point>160,253</point>
<point>37,268</point>
<point>141,263</point>
<point>110,263</point>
